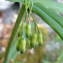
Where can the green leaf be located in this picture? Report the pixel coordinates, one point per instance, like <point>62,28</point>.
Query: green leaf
<point>11,49</point>
<point>51,22</point>
<point>52,4</point>
<point>52,13</point>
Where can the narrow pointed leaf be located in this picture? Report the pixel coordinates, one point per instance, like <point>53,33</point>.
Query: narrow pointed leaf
<point>54,25</point>
<point>12,43</point>
<point>51,13</point>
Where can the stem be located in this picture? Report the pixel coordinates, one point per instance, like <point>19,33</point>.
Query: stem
<point>20,15</point>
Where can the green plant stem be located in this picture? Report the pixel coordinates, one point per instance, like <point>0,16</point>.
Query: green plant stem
<point>54,25</point>
<point>14,32</point>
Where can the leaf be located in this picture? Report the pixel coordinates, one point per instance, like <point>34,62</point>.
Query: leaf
<point>49,20</point>
<point>52,4</point>
<point>11,49</point>
<point>52,13</point>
